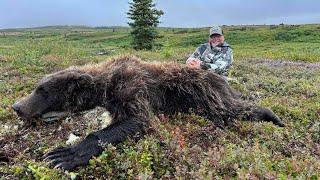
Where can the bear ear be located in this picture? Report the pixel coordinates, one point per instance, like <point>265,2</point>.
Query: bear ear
<point>85,79</point>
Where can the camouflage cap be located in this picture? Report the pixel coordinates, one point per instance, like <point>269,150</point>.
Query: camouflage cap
<point>215,30</point>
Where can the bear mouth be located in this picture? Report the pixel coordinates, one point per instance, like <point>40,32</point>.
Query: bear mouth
<point>53,116</point>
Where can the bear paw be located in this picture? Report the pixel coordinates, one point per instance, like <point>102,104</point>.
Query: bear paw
<point>69,158</point>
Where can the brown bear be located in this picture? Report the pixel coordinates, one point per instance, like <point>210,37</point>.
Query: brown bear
<point>131,90</point>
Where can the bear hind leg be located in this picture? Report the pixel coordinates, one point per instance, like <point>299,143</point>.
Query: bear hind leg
<point>264,114</point>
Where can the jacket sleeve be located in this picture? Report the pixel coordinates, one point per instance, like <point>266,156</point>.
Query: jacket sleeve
<point>198,52</point>
<point>223,62</point>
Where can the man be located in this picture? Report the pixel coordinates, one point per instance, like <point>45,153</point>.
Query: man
<point>216,55</point>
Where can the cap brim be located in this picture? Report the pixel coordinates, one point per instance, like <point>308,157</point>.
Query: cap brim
<point>216,33</point>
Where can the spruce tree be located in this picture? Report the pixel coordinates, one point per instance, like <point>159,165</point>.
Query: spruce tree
<point>145,19</point>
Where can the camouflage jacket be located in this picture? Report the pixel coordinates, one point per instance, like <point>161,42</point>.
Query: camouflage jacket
<point>218,59</point>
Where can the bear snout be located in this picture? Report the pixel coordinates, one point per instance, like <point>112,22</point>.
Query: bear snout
<point>17,108</point>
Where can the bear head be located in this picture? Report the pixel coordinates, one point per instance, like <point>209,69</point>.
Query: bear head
<point>55,96</point>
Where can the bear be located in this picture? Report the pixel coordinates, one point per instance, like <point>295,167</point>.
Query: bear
<point>132,90</point>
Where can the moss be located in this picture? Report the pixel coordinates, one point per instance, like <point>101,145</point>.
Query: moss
<point>184,145</point>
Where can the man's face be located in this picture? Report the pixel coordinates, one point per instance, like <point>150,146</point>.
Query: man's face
<point>216,39</point>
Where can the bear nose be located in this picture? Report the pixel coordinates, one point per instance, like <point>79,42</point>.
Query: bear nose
<point>16,107</point>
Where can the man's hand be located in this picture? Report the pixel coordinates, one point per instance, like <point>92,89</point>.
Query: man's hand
<point>193,63</point>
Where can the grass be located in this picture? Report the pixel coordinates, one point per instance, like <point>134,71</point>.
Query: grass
<point>275,66</point>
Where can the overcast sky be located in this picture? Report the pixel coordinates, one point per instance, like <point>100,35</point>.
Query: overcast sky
<point>178,13</point>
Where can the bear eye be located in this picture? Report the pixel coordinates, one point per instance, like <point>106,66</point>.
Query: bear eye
<point>41,90</point>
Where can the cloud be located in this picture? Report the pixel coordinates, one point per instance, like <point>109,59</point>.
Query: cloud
<point>205,12</point>
<point>178,13</point>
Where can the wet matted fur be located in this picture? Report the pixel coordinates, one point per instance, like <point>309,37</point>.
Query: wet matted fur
<point>131,90</point>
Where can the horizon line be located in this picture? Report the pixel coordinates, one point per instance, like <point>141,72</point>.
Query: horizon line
<point>120,26</point>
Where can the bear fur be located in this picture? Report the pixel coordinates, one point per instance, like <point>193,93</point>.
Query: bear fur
<point>131,90</point>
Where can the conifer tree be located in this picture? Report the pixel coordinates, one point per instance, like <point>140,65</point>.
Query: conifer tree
<point>145,19</point>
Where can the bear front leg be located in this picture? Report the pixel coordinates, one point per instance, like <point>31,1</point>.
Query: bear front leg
<point>69,158</point>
